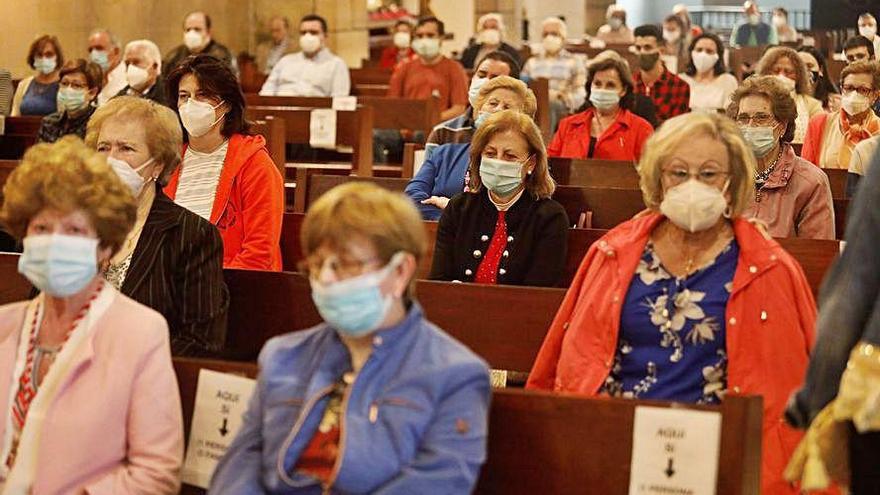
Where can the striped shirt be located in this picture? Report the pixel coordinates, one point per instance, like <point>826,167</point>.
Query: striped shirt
<point>199,176</point>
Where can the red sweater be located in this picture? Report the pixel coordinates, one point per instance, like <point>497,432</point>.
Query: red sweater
<point>622,140</point>
<point>248,206</point>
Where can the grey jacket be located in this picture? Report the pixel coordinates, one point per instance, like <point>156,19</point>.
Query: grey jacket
<point>848,304</point>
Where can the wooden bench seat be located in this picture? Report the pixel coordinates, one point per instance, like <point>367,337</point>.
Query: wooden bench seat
<point>556,443</point>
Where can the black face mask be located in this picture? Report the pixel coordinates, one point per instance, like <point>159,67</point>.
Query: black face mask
<point>816,76</point>
<point>648,60</point>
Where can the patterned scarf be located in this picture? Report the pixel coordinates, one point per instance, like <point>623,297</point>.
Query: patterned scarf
<point>853,134</point>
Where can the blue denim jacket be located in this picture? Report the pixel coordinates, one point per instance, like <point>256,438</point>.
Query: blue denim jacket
<point>848,304</point>
<point>414,420</point>
<point>442,174</point>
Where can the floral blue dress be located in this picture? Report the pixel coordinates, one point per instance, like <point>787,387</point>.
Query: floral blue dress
<point>671,344</point>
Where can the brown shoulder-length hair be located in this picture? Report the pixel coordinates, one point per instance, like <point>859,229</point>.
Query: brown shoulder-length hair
<point>783,105</point>
<point>627,101</point>
<point>90,70</point>
<point>802,84</point>
<point>216,79</point>
<point>539,183</point>
<point>38,45</point>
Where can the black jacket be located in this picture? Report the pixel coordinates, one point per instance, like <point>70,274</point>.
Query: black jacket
<point>156,93</point>
<point>537,240</point>
<point>469,56</point>
<point>177,269</point>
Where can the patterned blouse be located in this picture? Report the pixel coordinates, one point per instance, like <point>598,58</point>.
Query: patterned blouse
<point>672,332</point>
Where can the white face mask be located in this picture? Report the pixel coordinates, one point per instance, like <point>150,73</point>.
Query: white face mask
<point>193,39</point>
<point>310,43</point>
<point>490,37</point>
<point>671,36</point>
<point>704,61</point>
<point>129,176</point>
<point>136,76</point>
<point>427,47</point>
<point>778,21</point>
<point>198,117</point>
<point>474,89</point>
<point>401,39</point>
<point>693,205</point>
<point>788,83</point>
<point>854,103</point>
<point>868,31</point>
<point>552,43</point>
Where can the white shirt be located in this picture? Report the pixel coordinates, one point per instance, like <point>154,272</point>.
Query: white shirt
<point>297,75</point>
<point>199,176</point>
<point>275,54</point>
<point>711,96</point>
<point>116,82</point>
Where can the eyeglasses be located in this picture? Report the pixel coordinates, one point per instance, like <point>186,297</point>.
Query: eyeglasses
<point>758,119</point>
<point>709,173</point>
<point>866,92</point>
<point>342,267</point>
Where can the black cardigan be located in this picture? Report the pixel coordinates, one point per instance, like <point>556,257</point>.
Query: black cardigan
<point>177,269</point>
<point>537,240</point>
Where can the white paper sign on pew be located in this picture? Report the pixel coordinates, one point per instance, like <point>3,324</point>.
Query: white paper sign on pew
<point>674,451</point>
<point>322,128</point>
<point>221,399</point>
<point>347,103</point>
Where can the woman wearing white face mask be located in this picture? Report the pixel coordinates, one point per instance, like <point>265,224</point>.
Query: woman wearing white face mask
<point>831,137</point>
<point>615,30</point>
<point>792,196</point>
<point>606,128</point>
<point>35,95</point>
<point>226,176</point>
<point>376,399</point>
<point>489,38</point>
<point>81,362</point>
<point>172,259</point>
<point>78,89</point>
<point>505,229</point>
<point>690,301</point>
<point>711,84</point>
<point>787,66</point>
<point>444,173</point>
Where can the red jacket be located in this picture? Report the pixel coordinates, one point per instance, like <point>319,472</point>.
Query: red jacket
<point>622,140</point>
<point>248,207</point>
<point>813,138</point>
<point>391,57</point>
<point>771,319</point>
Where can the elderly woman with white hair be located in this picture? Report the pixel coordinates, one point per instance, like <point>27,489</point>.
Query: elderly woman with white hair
<point>689,302</point>
<point>143,71</point>
<point>615,30</point>
<point>566,71</point>
<point>489,38</point>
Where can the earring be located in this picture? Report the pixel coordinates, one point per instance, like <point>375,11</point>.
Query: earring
<point>728,212</point>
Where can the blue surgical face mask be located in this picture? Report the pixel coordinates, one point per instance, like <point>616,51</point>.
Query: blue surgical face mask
<point>761,139</point>
<point>481,118</point>
<point>604,99</point>
<point>355,307</point>
<point>500,176</point>
<point>101,58</point>
<point>71,99</point>
<point>59,265</point>
<point>45,64</point>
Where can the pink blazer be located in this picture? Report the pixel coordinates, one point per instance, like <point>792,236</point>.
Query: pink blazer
<point>115,426</point>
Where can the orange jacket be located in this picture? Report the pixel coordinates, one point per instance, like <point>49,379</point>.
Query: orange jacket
<point>771,318</point>
<point>248,207</point>
<point>812,148</point>
<point>622,140</point>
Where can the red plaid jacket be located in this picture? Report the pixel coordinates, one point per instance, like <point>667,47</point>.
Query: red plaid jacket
<point>671,95</point>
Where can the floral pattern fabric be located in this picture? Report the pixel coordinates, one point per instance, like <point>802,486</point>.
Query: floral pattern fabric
<point>671,343</point>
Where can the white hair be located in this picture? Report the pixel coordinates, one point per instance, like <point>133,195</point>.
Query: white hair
<point>114,40</point>
<point>491,16</point>
<point>563,29</point>
<point>148,48</point>
<point>612,9</point>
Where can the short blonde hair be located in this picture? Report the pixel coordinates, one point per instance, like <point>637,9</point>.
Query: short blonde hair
<point>802,84</point>
<point>563,28</point>
<point>388,220</point>
<point>529,102</point>
<point>869,67</point>
<point>675,134</point>
<point>539,184</point>
<point>161,126</point>
<point>67,176</point>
